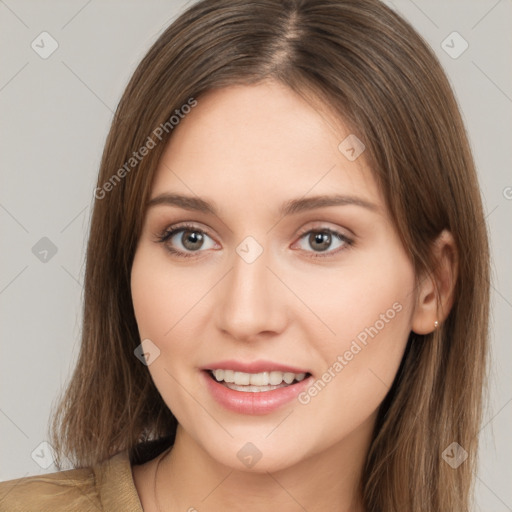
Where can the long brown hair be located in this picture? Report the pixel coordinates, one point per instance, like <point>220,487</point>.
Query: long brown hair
<point>368,66</point>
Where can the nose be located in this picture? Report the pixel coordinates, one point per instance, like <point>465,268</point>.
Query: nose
<point>250,302</point>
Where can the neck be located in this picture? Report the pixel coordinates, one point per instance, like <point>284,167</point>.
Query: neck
<point>189,479</point>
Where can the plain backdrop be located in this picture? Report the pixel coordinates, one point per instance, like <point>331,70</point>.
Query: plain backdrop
<point>55,114</point>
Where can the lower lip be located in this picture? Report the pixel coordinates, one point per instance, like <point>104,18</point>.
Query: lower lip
<point>261,402</point>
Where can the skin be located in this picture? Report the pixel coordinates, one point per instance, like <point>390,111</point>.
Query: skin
<point>248,149</point>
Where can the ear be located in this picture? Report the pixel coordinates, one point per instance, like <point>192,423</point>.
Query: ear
<point>434,297</point>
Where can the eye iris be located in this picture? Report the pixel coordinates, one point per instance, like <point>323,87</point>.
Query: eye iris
<point>192,240</point>
<point>323,239</point>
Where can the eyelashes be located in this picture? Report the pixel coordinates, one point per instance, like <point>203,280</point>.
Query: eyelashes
<point>192,236</point>
<point>171,232</point>
<point>324,235</point>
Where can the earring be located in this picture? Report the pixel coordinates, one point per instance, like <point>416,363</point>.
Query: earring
<point>436,324</point>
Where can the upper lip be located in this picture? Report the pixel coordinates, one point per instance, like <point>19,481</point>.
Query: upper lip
<point>253,367</point>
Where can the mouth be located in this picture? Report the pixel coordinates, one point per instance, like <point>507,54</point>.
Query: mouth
<point>263,389</point>
<point>256,382</point>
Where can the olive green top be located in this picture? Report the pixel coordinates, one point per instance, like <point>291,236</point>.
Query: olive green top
<point>105,487</point>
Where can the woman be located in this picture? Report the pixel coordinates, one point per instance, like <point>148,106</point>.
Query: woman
<point>287,283</point>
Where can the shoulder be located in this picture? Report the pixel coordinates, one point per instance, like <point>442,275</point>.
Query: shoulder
<point>103,487</point>
<point>73,489</point>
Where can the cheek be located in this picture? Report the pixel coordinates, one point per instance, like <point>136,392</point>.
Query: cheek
<point>163,301</point>
<point>171,310</point>
<point>369,308</point>
<point>369,297</point>
<point>162,296</point>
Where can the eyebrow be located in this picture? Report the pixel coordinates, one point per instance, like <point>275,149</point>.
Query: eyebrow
<point>290,207</point>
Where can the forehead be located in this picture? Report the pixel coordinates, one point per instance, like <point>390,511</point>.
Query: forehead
<point>253,146</point>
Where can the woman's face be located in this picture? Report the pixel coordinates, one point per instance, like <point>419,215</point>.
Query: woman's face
<point>288,265</point>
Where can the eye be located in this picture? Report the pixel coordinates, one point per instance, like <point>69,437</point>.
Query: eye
<point>185,240</point>
<point>324,240</point>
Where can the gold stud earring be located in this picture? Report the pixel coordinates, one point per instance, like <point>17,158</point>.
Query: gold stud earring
<point>436,324</point>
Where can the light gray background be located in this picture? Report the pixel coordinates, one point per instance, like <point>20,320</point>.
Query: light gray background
<point>55,114</point>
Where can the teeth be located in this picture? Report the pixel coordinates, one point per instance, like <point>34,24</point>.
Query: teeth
<point>229,376</point>
<point>273,378</point>
<point>242,379</point>
<point>288,377</point>
<point>258,379</point>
